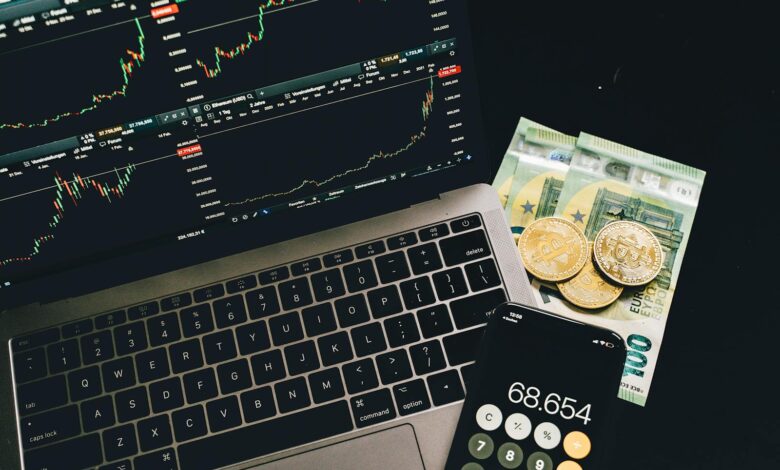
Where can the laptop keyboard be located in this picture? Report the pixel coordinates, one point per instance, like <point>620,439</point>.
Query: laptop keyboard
<point>261,363</point>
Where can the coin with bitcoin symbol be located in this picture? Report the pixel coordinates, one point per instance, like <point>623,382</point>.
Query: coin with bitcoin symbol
<point>589,288</point>
<point>553,249</point>
<point>628,253</point>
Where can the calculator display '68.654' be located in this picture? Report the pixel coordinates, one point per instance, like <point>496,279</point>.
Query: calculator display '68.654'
<point>552,404</point>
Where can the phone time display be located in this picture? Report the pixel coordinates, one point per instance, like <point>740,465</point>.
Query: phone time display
<point>552,404</point>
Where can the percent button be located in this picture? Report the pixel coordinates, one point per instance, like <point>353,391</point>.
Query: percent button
<point>547,436</point>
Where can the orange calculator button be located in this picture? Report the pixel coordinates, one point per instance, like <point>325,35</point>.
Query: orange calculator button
<point>577,445</point>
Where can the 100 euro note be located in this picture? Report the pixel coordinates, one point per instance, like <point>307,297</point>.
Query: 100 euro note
<point>607,182</point>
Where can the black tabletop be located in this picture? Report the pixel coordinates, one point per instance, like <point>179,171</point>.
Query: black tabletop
<point>702,88</point>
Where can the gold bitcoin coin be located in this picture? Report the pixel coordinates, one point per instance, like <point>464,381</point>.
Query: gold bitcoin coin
<point>628,253</point>
<point>589,288</point>
<point>553,249</point>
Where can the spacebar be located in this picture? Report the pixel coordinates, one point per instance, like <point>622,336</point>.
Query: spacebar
<point>266,438</point>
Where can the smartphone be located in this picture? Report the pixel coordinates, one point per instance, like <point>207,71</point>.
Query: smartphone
<point>541,396</point>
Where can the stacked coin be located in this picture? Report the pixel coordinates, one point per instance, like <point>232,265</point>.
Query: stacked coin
<point>591,276</point>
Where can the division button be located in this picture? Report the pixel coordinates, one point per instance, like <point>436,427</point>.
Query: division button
<point>489,417</point>
<point>577,445</point>
<point>518,426</point>
<point>547,436</point>
<point>480,446</point>
<point>539,461</point>
<point>510,455</point>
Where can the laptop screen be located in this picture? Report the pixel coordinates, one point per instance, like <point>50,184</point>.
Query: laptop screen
<point>138,137</point>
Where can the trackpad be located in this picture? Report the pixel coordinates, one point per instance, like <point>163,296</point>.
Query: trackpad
<point>392,448</point>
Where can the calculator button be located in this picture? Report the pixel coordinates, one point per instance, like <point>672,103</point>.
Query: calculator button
<point>472,466</point>
<point>539,461</point>
<point>518,426</point>
<point>481,446</point>
<point>577,445</point>
<point>547,436</point>
<point>569,465</point>
<point>489,417</point>
<point>510,455</point>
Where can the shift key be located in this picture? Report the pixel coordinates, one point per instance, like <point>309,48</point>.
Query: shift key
<point>49,427</point>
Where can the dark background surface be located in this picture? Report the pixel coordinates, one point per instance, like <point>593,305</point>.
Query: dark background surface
<point>701,88</point>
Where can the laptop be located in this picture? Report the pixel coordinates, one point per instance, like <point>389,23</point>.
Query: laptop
<point>245,234</point>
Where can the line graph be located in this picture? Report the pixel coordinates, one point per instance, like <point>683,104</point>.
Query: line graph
<point>128,66</point>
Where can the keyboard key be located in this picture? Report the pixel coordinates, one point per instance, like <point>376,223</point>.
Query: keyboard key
<point>43,395</point>
<point>394,366</point>
<point>292,395</point>
<point>49,427</point>
<point>35,340</point>
<point>476,309</point>
<point>143,311</point>
<point>120,442</point>
<point>434,321</point>
<point>402,241</point>
<point>110,319</point>
<point>83,452</point>
<point>154,433</point>
<point>335,348</point>
<point>223,414</point>
<point>161,460</point>
<point>132,404</point>
<point>197,320</point>
<point>319,319</point>
<point>352,311</point>
<point>360,276</point>
<point>402,330</point>
<point>274,275</point>
<point>209,293</point>
<point>258,404</point>
<point>120,465</point>
<point>424,258</point>
<point>370,249</point>
<point>84,383</point>
<point>229,311</point>
<point>295,293</point>
<point>445,387</point>
<point>234,376</point>
<point>164,329</point>
<point>483,275</point>
<point>301,358</point>
<point>463,347</point>
<point>464,248</point>
<point>466,223</point>
<point>253,338</point>
<point>241,284</point>
<point>427,357</point>
<point>392,267</point>
<point>368,339</point>
<point>130,338</point>
<point>411,397</point>
<point>360,376</point>
<point>219,347</point>
<point>118,374</point>
<point>97,347</point>
<point>98,414</point>
<point>286,328</point>
<point>417,293</point>
<point>326,385</point>
<point>268,367</point>
<point>29,365</point>
<point>306,267</point>
<point>373,408</point>
<point>166,395</point>
<point>231,447</point>
<point>262,302</point>
<point>450,284</point>
<point>327,285</point>
<point>63,356</point>
<point>78,328</point>
<point>432,233</point>
<point>200,386</point>
<point>336,259</point>
<point>176,302</point>
<point>152,365</point>
<point>186,356</point>
<point>189,423</point>
<point>384,302</point>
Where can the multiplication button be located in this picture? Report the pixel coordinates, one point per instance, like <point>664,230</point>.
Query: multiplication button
<point>489,417</point>
<point>577,445</point>
<point>547,436</point>
<point>569,465</point>
<point>518,426</point>
<point>480,446</point>
<point>539,461</point>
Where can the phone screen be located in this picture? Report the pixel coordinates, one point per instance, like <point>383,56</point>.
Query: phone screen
<point>541,394</point>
